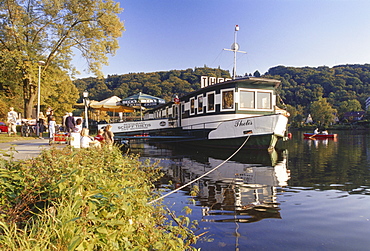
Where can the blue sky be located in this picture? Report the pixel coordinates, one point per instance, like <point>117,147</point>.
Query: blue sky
<point>163,35</point>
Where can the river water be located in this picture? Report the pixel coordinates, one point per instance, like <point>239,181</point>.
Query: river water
<point>307,195</point>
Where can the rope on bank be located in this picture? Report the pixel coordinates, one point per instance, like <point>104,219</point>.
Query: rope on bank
<point>187,184</point>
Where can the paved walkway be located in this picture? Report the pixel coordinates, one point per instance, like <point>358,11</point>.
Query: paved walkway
<point>26,149</point>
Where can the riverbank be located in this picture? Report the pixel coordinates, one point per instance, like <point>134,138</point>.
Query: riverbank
<point>22,149</point>
<point>84,199</point>
<point>353,126</point>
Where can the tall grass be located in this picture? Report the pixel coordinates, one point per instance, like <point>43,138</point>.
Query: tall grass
<point>86,199</point>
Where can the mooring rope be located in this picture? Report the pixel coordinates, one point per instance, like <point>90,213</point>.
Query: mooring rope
<point>191,182</point>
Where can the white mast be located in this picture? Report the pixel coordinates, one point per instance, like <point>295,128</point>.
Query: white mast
<point>235,49</point>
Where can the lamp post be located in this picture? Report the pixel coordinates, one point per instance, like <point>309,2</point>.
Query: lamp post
<point>85,95</point>
<point>41,63</point>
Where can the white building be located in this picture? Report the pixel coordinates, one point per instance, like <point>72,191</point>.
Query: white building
<point>367,103</point>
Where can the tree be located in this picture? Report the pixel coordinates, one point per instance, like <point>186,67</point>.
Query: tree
<point>52,31</point>
<point>257,74</point>
<point>322,112</point>
<point>61,103</point>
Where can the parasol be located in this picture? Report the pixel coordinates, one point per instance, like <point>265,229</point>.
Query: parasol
<point>142,100</point>
<point>112,105</point>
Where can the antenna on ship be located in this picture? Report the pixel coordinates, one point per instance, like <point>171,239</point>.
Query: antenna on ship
<point>235,49</point>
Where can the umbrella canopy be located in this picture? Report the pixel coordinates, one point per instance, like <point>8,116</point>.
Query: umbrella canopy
<point>142,99</point>
<point>111,104</point>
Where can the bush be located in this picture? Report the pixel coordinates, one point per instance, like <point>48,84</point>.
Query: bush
<point>85,199</point>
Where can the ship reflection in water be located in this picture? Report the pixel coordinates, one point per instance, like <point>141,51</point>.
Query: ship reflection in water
<point>243,189</point>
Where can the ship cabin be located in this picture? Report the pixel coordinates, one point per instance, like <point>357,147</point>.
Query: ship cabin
<point>220,101</point>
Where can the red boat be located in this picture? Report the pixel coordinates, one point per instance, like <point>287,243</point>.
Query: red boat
<point>320,136</point>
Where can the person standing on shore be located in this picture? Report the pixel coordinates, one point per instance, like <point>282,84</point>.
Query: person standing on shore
<point>49,115</point>
<point>52,125</point>
<point>41,123</point>
<point>64,122</point>
<point>108,136</point>
<point>70,123</point>
<point>12,121</point>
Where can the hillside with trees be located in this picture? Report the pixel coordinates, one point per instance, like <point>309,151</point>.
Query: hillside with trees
<point>160,84</point>
<point>323,92</point>
<point>340,89</point>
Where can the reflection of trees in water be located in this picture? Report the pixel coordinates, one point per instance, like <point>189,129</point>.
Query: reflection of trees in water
<point>325,162</point>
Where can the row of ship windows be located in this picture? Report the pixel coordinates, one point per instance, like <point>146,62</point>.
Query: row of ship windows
<point>248,100</point>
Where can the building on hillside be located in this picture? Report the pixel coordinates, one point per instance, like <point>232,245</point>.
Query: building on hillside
<point>367,103</point>
<point>354,116</point>
<point>309,119</point>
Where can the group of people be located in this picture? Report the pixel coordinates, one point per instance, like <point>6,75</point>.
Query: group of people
<point>43,122</point>
<point>104,137</point>
<point>70,125</point>
<point>316,131</point>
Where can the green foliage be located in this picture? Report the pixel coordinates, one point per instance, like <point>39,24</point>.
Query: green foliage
<point>295,117</point>
<point>339,84</point>
<point>160,84</point>
<point>85,199</point>
<point>322,112</point>
<point>257,74</point>
<point>3,110</point>
<point>53,31</point>
<point>51,93</point>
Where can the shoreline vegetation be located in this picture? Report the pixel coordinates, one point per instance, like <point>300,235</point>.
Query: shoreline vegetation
<point>360,125</point>
<point>86,199</point>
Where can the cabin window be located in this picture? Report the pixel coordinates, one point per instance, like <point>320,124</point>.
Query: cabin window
<point>227,99</point>
<point>246,99</point>
<point>192,106</point>
<point>200,104</point>
<point>182,107</point>
<point>211,102</point>
<point>252,99</point>
<point>264,100</point>
<point>175,111</point>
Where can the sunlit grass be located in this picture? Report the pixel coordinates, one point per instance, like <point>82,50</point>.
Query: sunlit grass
<point>4,138</point>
